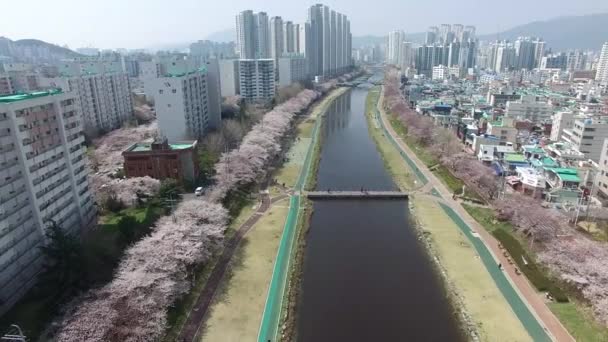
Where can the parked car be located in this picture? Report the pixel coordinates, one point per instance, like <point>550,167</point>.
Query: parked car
<point>198,191</point>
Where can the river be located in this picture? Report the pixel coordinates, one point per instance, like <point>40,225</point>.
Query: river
<point>366,277</point>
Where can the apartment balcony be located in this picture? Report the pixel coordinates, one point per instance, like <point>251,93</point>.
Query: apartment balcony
<point>8,242</point>
<point>5,213</point>
<point>17,195</point>
<point>18,253</point>
<point>52,183</point>
<point>5,132</point>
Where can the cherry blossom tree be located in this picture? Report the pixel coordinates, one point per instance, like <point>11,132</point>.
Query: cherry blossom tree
<point>157,270</point>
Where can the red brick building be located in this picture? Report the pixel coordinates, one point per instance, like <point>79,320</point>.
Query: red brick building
<point>162,160</point>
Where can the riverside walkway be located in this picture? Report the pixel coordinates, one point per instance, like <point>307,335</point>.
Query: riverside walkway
<point>527,304</point>
<point>356,194</point>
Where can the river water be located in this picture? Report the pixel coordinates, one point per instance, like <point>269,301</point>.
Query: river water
<point>366,277</point>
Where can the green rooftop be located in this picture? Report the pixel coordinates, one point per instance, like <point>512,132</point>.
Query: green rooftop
<point>27,96</point>
<point>545,162</point>
<point>569,178</point>
<point>562,170</point>
<point>145,147</point>
<point>533,149</point>
<point>515,158</point>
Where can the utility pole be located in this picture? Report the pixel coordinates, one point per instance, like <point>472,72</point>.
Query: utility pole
<point>171,202</point>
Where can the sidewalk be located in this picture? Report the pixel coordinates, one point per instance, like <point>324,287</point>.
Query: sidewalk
<point>533,301</point>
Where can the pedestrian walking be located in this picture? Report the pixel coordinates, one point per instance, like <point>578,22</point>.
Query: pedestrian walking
<point>500,266</point>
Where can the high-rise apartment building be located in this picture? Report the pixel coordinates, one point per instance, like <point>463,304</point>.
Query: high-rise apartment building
<point>186,107</point>
<point>253,35</point>
<point>289,38</point>
<point>432,35</point>
<point>277,40</point>
<point>330,42</point>
<point>103,90</point>
<point>262,35</point>
<point>292,68</point>
<point>257,79</point>
<point>246,44</point>
<point>576,60</point>
<point>393,46</point>
<point>43,180</point>
<point>601,75</point>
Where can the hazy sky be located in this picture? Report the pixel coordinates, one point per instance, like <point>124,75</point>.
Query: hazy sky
<point>145,23</point>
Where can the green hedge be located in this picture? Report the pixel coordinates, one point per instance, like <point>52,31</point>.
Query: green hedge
<point>536,276</point>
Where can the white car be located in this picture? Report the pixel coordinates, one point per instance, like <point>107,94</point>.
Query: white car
<point>198,191</point>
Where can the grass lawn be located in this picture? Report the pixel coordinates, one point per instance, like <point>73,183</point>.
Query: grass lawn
<point>304,129</point>
<point>399,169</point>
<point>237,309</point>
<point>579,322</point>
<point>596,233</point>
<point>243,215</point>
<point>482,299</point>
<point>111,219</point>
<point>453,183</point>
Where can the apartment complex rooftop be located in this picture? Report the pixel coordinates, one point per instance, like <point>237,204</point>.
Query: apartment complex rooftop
<point>147,146</point>
<point>28,96</point>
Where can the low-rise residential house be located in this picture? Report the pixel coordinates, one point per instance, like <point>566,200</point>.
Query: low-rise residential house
<point>533,152</point>
<point>564,152</point>
<point>562,177</point>
<point>560,122</point>
<point>503,129</point>
<point>490,153</point>
<point>513,160</point>
<point>529,107</point>
<point>563,185</point>
<point>541,163</point>
<point>532,181</point>
<point>601,180</point>
<point>475,141</point>
<point>161,160</point>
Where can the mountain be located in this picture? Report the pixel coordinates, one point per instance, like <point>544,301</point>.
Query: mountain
<point>228,35</point>
<point>360,41</point>
<point>562,33</point>
<point>34,51</point>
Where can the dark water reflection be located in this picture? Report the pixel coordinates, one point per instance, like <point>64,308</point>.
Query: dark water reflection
<point>366,278</point>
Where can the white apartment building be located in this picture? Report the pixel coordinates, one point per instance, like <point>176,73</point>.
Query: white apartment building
<point>601,182</point>
<point>529,108</point>
<point>104,94</point>
<point>602,67</point>
<point>587,136</point>
<point>503,130</point>
<point>393,46</point>
<point>442,72</point>
<point>292,69</point>
<point>229,77</point>
<point>18,77</point>
<point>184,107</point>
<point>257,79</point>
<point>561,121</point>
<point>329,51</point>
<point>43,178</point>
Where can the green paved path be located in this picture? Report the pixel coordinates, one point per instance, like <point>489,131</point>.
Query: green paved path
<point>519,307</point>
<point>522,311</point>
<point>269,327</point>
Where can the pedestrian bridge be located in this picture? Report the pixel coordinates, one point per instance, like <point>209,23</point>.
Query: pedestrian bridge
<point>356,194</point>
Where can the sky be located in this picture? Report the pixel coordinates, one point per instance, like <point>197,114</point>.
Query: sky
<point>150,23</point>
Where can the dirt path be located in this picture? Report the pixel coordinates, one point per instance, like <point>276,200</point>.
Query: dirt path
<point>190,329</point>
<point>528,294</point>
